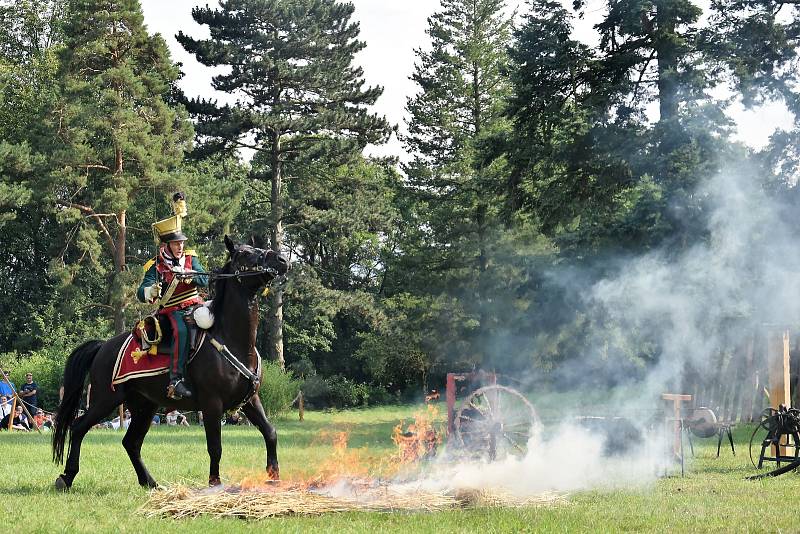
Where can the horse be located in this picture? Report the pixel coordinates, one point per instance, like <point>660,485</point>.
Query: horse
<point>221,381</point>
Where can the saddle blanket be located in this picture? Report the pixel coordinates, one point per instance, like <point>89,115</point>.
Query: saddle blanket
<point>130,365</point>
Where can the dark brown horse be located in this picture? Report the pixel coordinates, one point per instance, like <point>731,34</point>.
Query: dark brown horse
<point>219,383</point>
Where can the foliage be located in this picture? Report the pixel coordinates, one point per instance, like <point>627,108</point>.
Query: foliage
<point>298,96</point>
<point>456,123</point>
<point>111,141</point>
<point>278,389</point>
<point>537,162</point>
<point>335,391</point>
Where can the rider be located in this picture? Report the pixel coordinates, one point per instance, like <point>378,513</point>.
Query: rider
<point>165,282</point>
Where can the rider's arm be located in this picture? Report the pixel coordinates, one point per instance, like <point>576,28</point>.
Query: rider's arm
<point>150,278</point>
<point>201,281</point>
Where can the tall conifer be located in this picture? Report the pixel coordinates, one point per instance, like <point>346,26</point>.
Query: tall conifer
<point>296,88</point>
<point>114,140</point>
<point>455,120</point>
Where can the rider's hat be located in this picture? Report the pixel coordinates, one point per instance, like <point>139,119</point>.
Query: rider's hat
<point>170,229</point>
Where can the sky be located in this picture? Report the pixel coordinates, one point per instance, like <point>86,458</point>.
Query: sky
<point>392,30</point>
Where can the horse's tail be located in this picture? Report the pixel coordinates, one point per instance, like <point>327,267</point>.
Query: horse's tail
<point>75,373</point>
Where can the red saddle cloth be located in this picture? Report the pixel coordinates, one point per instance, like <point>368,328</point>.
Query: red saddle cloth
<point>132,364</point>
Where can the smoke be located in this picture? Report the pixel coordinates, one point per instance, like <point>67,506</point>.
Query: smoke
<point>693,305</point>
<point>654,318</point>
<point>570,458</point>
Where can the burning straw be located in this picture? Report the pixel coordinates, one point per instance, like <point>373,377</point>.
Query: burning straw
<point>341,484</point>
<point>181,501</point>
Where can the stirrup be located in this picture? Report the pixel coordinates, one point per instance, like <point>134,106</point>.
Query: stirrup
<point>177,390</point>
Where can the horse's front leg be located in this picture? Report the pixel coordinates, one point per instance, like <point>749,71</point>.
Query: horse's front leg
<point>254,411</point>
<point>212,420</point>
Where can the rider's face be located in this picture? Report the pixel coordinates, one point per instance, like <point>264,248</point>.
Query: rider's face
<point>176,248</point>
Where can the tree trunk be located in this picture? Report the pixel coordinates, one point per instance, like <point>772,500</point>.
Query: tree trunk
<point>118,296</point>
<point>117,288</point>
<point>276,300</point>
<point>667,63</point>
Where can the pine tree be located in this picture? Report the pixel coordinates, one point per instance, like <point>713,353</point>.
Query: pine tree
<point>455,121</point>
<point>114,142</point>
<point>291,69</point>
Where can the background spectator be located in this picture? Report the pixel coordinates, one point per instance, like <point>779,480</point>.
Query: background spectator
<point>5,388</point>
<point>20,422</point>
<point>39,418</point>
<point>234,419</point>
<point>5,406</point>
<point>126,421</point>
<point>175,418</point>
<point>29,393</point>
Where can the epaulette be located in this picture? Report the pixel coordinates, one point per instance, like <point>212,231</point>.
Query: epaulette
<point>148,264</point>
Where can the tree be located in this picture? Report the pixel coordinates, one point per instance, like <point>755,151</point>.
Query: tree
<point>30,37</point>
<point>298,93</point>
<point>455,122</point>
<point>113,142</point>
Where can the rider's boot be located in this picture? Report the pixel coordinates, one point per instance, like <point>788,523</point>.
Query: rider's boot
<point>177,389</point>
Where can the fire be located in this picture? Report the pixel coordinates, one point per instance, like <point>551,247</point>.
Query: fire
<point>416,442</point>
<point>342,462</point>
<point>420,440</point>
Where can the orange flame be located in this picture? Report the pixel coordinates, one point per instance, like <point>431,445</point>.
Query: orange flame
<point>420,440</point>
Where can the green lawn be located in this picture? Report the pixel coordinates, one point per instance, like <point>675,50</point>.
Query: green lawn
<point>712,497</point>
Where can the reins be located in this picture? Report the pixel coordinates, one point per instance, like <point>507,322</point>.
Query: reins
<point>253,378</point>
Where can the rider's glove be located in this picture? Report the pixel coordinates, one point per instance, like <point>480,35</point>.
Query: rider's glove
<point>152,292</point>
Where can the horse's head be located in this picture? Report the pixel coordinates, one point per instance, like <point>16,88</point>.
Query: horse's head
<point>248,261</point>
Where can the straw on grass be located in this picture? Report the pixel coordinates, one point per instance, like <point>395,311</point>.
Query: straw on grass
<point>181,501</point>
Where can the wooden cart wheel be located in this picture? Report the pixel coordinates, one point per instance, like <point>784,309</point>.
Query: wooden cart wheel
<point>496,421</point>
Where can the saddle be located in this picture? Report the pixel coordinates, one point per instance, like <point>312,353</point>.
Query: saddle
<point>155,331</point>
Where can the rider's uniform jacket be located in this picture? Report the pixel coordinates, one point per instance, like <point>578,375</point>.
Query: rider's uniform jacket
<point>163,268</point>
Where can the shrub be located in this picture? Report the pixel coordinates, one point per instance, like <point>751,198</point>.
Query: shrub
<point>47,366</point>
<point>278,389</point>
<point>335,391</point>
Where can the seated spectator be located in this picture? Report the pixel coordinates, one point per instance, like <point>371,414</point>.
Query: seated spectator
<point>156,420</point>
<point>48,422</point>
<point>126,421</point>
<point>175,418</point>
<point>30,393</point>
<point>19,422</point>
<point>5,406</point>
<point>39,418</point>
<point>6,388</point>
<point>234,419</point>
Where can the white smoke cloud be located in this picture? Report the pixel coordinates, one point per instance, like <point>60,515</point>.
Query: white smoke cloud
<point>571,458</point>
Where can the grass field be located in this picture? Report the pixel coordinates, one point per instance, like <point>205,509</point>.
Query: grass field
<point>712,497</point>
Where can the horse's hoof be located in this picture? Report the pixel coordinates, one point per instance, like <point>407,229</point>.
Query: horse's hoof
<point>274,473</point>
<point>150,484</point>
<point>61,484</point>
<point>214,481</point>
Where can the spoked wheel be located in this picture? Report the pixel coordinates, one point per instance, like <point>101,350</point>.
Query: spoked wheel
<point>496,421</point>
<point>771,435</point>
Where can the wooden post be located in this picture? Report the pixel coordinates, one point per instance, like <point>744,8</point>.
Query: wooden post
<point>450,395</point>
<point>778,370</point>
<point>301,404</point>
<point>677,418</point>
<point>121,416</point>
<point>13,411</point>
